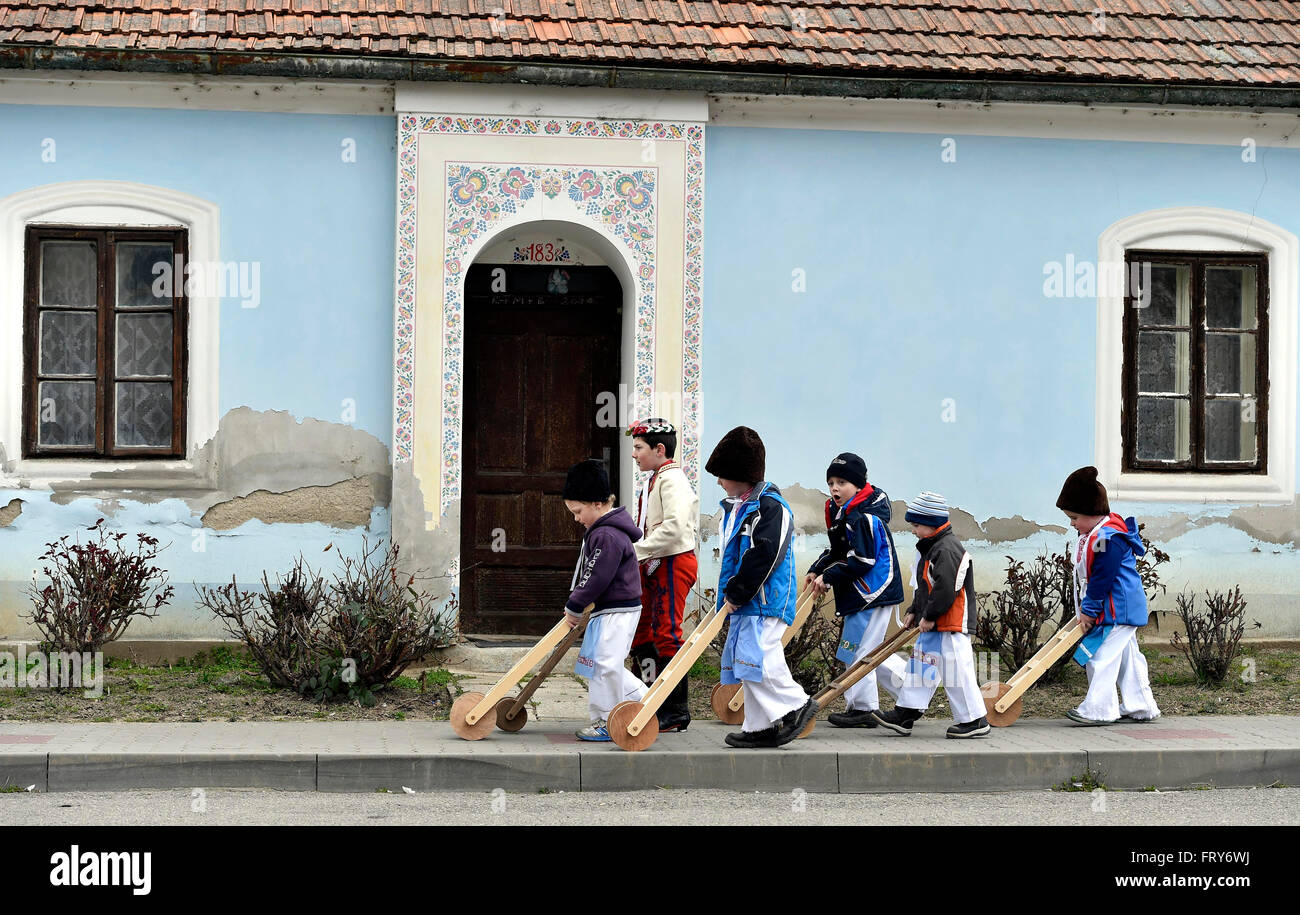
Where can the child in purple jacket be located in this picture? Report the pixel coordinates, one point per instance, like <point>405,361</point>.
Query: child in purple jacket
<point>608,576</point>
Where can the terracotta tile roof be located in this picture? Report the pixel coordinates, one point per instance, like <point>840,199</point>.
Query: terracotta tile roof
<point>1251,42</point>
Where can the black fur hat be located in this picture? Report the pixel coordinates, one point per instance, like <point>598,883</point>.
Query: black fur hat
<point>740,456</point>
<point>1083,494</point>
<point>587,482</point>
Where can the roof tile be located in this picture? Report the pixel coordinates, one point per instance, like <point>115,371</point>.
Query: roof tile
<point>1254,42</point>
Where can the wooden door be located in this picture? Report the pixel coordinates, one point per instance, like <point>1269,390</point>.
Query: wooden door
<point>540,347</point>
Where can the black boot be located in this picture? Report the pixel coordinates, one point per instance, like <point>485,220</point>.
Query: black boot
<point>675,713</point>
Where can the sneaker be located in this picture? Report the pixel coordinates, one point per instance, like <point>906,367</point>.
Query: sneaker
<point>977,728</point>
<point>673,723</point>
<point>898,719</point>
<point>752,740</point>
<point>597,730</point>
<point>853,718</point>
<point>793,723</point>
<point>1129,719</point>
<point>1086,722</point>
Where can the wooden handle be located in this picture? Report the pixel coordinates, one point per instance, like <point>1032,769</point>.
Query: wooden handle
<point>674,670</point>
<point>521,667</point>
<point>545,670</point>
<point>1052,651</point>
<point>860,669</point>
<point>801,614</point>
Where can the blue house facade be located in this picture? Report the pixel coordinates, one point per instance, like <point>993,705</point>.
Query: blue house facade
<point>255,316</point>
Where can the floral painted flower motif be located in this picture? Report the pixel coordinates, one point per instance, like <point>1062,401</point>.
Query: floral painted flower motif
<point>462,228</point>
<point>516,184</point>
<point>614,211</point>
<point>647,271</point>
<point>585,186</point>
<point>551,185</point>
<point>638,232</point>
<point>453,266</point>
<point>552,127</point>
<point>467,185</point>
<point>633,191</point>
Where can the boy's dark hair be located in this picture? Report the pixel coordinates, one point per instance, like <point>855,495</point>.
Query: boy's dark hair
<point>655,432</point>
<point>654,439</point>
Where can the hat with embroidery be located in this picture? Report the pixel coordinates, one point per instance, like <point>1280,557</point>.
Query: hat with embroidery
<point>653,426</point>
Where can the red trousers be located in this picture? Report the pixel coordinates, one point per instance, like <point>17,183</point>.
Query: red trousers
<point>663,601</point>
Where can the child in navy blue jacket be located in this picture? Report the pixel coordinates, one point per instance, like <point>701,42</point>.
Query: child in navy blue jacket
<point>1111,604</point>
<point>861,567</point>
<point>607,575</point>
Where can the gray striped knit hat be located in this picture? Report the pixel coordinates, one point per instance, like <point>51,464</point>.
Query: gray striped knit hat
<point>929,508</point>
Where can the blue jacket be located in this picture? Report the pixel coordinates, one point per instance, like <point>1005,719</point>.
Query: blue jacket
<point>861,565</point>
<point>757,543</point>
<point>1107,557</point>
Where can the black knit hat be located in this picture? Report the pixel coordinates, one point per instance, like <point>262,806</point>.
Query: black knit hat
<point>587,482</point>
<point>740,456</point>
<point>848,466</point>
<point>1083,495</point>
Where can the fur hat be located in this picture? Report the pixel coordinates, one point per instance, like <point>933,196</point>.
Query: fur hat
<point>1083,494</point>
<point>848,466</point>
<point>587,482</point>
<point>740,456</point>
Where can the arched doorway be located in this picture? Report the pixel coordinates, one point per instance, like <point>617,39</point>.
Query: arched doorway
<point>543,350</point>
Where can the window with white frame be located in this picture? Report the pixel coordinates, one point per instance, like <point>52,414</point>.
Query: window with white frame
<point>152,366</point>
<point>1196,360</point>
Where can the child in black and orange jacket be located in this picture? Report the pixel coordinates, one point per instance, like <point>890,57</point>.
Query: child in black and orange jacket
<point>944,607</point>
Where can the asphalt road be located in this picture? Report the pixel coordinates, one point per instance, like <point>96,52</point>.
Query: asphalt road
<point>220,806</point>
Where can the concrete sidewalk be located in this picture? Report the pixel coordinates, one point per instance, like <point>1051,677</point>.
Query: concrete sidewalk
<point>367,755</point>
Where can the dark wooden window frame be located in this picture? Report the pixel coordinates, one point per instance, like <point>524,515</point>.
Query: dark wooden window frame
<point>106,353</point>
<point>1197,261</point>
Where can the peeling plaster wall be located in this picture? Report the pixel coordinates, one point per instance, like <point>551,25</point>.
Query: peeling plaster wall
<point>300,459</point>
<point>285,487</point>
<point>926,341</point>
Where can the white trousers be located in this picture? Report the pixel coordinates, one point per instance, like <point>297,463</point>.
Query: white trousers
<point>954,668</point>
<point>1118,661</point>
<point>863,695</point>
<point>768,701</point>
<point>611,682</point>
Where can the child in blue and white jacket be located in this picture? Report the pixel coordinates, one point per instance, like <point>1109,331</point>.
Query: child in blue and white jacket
<point>758,589</point>
<point>861,566</point>
<point>1111,604</point>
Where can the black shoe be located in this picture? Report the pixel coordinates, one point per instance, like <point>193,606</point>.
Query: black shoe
<point>899,719</point>
<point>753,740</point>
<point>853,718</point>
<point>670,722</point>
<point>793,723</point>
<point>977,728</point>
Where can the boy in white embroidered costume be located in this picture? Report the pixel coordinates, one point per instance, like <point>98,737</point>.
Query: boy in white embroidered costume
<point>667,514</point>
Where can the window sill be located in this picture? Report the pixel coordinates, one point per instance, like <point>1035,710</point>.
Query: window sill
<point>1133,486</point>
<point>104,475</point>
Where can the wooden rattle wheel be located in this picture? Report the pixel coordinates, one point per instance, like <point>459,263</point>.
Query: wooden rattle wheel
<point>510,724</point>
<point>618,722</point>
<point>994,691</point>
<point>720,700</point>
<point>461,708</point>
